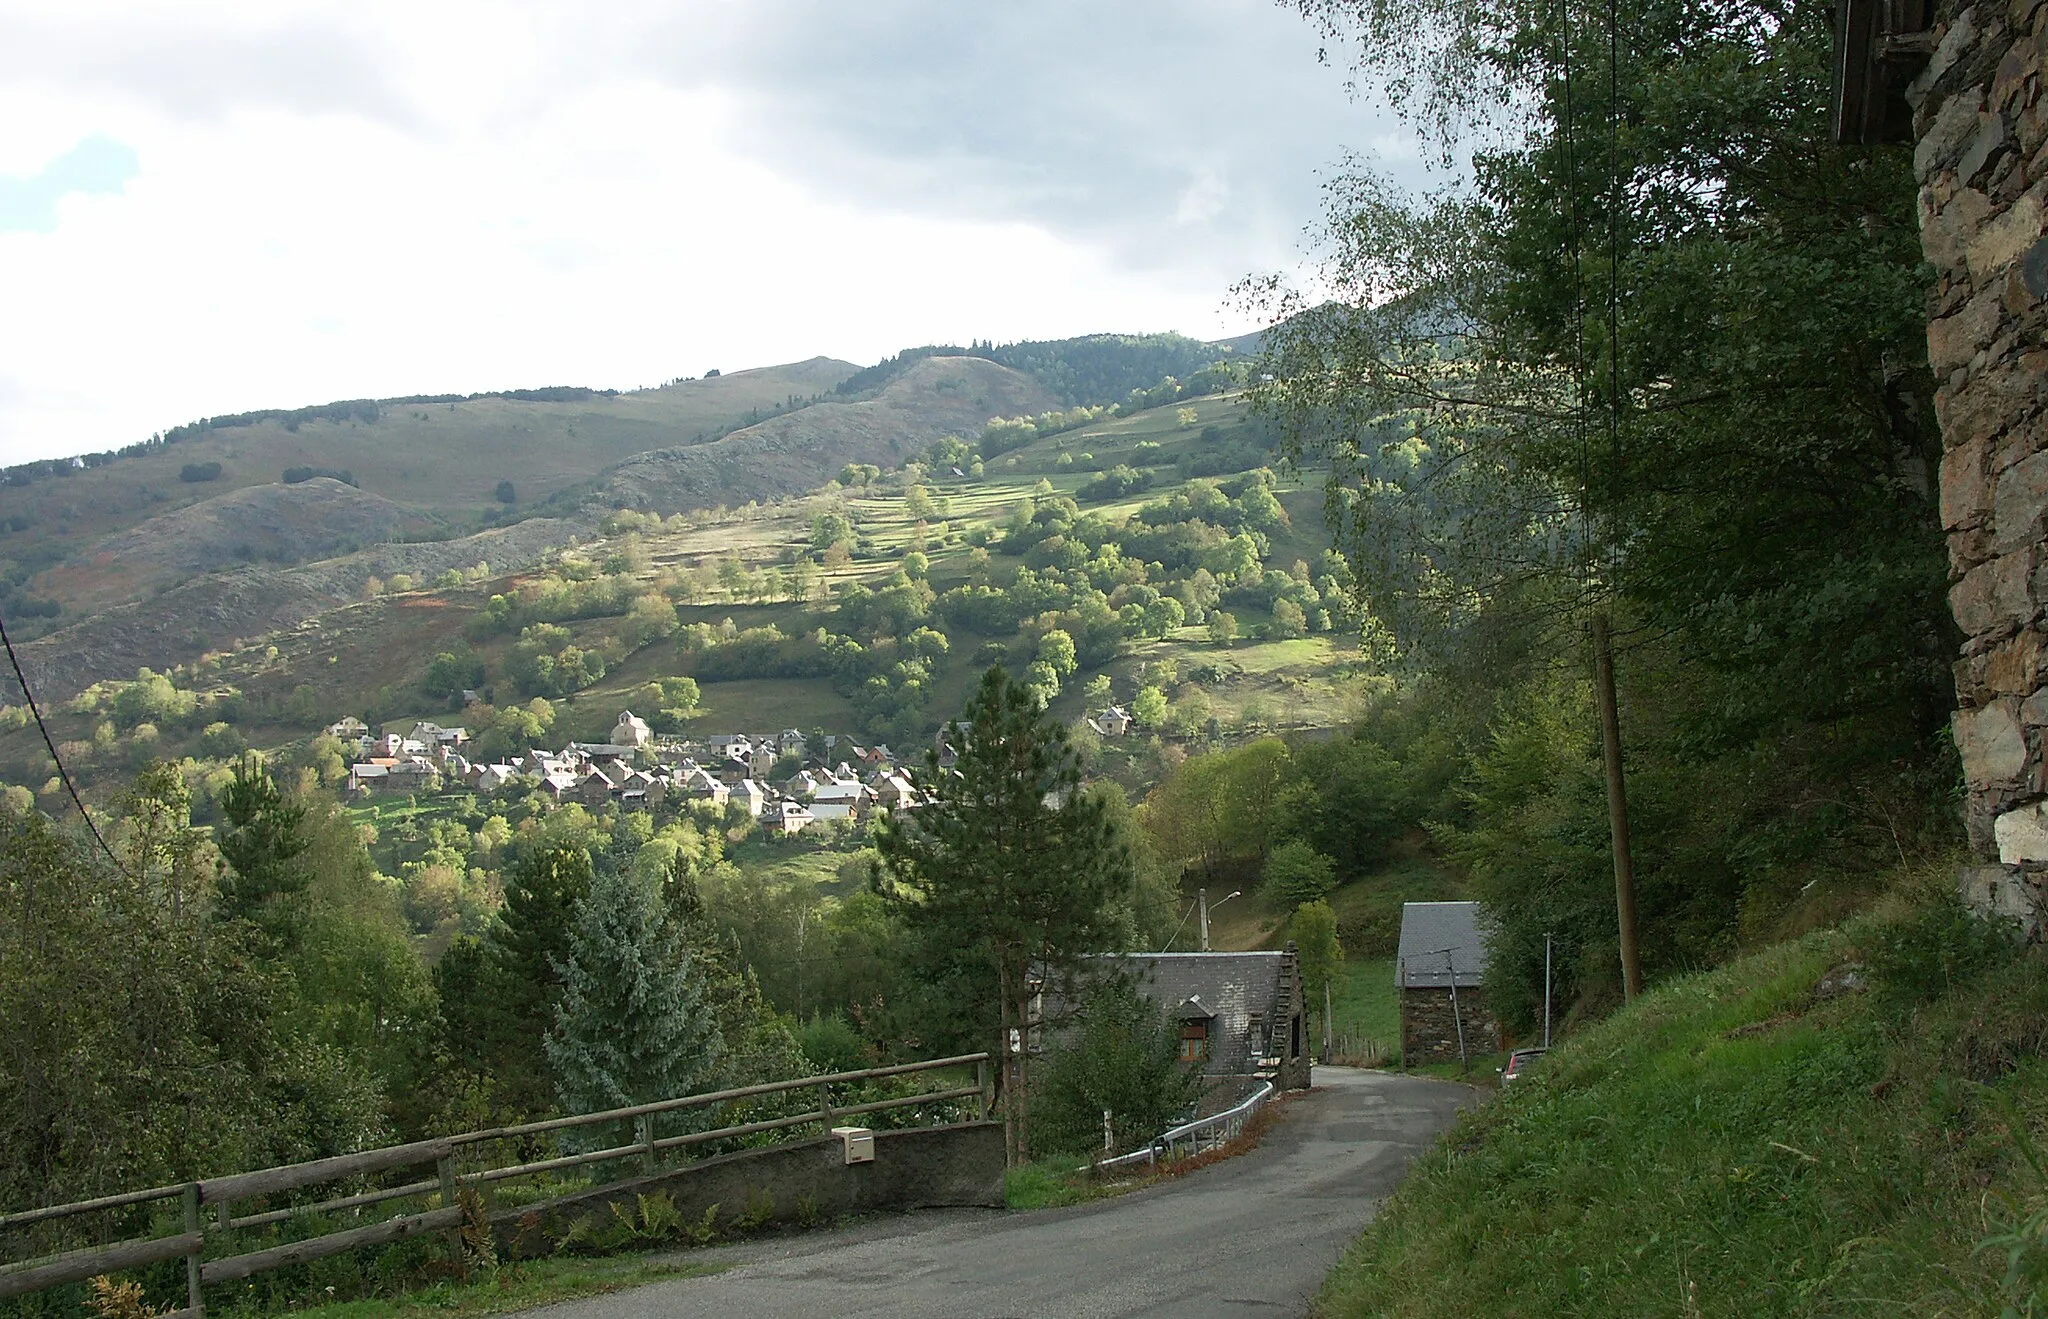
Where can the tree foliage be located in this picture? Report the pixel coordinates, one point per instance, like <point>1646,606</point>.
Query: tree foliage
<point>1005,878</point>
<point>1122,1058</point>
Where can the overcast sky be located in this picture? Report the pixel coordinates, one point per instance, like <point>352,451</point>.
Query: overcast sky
<point>209,207</point>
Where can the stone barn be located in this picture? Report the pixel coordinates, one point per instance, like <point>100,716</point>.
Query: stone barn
<point>1440,967</point>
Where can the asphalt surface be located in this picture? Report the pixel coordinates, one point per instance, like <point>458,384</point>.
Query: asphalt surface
<point>1252,1235</point>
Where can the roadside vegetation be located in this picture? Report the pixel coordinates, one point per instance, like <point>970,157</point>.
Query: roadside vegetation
<point>1841,1124</point>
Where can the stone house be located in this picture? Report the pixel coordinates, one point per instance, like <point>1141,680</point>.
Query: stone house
<point>701,785</point>
<point>1113,722</point>
<point>1439,972</point>
<point>1238,1014</point>
<point>894,792</point>
<point>786,817</point>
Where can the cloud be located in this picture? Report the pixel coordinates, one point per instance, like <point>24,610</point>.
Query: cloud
<point>206,59</point>
<point>1115,124</point>
<point>95,165</point>
<point>374,197</point>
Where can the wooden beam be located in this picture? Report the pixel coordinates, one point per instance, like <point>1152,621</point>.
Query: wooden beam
<point>79,1265</point>
<point>291,1177</point>
<point>334,1243</point>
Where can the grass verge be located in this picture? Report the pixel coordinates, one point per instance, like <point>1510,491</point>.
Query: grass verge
<point>516,1286</point>
<point>1841,1125</point>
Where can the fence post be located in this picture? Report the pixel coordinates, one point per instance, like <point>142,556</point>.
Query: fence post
<point>195,1299</point>
<point>988,1094</point>
<point>445,1167</point>
<point>825,1106</point>
<point>643,1136</point>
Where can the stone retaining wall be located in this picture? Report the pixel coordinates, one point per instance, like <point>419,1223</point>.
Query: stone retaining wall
<point>920,1168</point>
<point>1982,164</point>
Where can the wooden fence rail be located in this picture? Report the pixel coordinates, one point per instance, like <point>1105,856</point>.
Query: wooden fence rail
<point>209,1203</point>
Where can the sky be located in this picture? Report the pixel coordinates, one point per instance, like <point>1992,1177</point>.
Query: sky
<point>211,207</point>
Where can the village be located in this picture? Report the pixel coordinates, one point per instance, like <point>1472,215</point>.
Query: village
<point>786,781</point>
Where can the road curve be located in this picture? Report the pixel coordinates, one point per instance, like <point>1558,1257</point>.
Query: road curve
<point>1253,1235</point>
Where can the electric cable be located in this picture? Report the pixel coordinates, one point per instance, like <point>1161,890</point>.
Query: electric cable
<point>62,773</point>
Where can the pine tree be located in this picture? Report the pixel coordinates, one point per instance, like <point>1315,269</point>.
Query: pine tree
<point>265,879</point>
<point>1007,878</point>
<point>632,1025</point>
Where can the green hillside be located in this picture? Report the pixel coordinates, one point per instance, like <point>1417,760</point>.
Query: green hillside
<point>739,600</point>
<point>1832,1126</point>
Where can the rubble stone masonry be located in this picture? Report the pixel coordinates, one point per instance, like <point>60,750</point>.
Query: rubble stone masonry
<point>1981,158</point>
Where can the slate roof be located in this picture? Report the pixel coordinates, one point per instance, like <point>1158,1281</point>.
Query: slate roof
<point>1428,929</point>
<point>1227,989</point>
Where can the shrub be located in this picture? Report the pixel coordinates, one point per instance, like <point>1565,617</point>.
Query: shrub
<point>1297,873</point>
<point>195,473</point>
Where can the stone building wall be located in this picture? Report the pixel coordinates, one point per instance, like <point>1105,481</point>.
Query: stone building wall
<point>1429,1027</point>
<point>1981,159</point>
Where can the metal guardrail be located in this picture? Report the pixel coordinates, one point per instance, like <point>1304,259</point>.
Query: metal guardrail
<point>209,1203</point>
<point>1203,1133</point>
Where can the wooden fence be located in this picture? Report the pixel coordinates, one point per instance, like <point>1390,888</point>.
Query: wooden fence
<point>209,1205</point>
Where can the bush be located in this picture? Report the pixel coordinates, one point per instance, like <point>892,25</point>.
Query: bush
<point>1296,873</point>
<point>195,473</point>
<point>1927,954</point>
<point>1124,1057</point>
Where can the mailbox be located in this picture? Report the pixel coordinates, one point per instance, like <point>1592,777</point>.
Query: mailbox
<point>857,1144</point>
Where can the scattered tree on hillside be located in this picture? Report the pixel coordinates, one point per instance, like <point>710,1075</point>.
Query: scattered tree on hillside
<point>1297,873</point>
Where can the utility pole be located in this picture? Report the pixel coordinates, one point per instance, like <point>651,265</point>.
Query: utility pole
<point>1202,925</point>
<point>1456,1015</point>
<point>1546,989</point>
<point>1617,808</point>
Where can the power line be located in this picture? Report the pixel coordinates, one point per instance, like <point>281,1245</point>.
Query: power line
<point>48,741</point>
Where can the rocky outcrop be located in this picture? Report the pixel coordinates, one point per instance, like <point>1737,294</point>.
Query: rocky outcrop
<point>1981,125</point>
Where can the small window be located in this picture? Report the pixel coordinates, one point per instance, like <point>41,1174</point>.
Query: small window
<point>1194,1041</point>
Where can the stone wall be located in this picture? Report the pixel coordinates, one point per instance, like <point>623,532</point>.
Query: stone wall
<point>804,1182</point>
<point>1429,1026</point>
<point>1982,163</point>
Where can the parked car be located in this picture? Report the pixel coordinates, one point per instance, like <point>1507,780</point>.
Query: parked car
<point>1520,1061</point>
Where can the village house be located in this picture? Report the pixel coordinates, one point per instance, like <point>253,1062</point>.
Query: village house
<point>348,728</point>
<point>895,793</point>
<point>785,816</point>
<point>1113,722</point>
<point>724,746</point>
<point>841,799</point>
<point>752,795</point>
<point>701,785</point>
<point>1439,973</point>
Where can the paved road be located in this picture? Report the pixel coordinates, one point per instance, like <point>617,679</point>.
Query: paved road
<point>1253,1235</point>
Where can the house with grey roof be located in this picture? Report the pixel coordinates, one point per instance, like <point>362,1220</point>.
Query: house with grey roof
<point>1238,1014</point>
<point>1440,973</point>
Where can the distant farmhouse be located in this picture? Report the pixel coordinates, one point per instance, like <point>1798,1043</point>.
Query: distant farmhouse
<point>1440,973</point>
